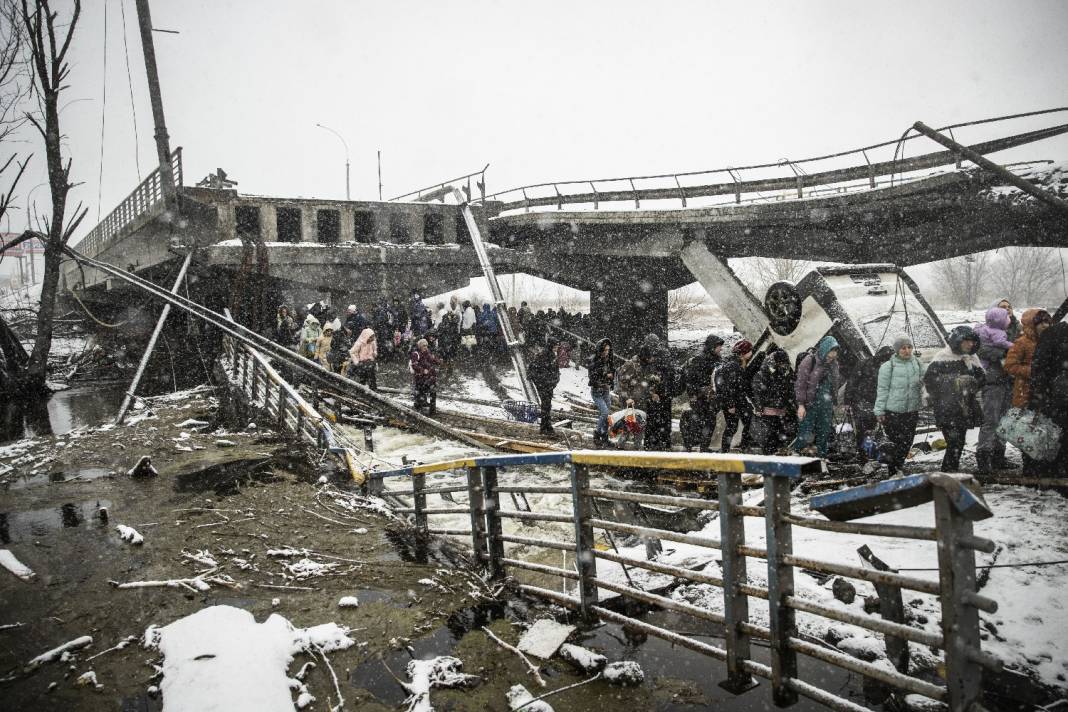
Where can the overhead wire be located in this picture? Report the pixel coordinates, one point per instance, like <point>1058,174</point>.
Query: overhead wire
<point>129,81</point>
<point>103,118</point>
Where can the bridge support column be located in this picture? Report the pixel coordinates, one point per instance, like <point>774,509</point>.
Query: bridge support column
<point>309,230</point>
<point>348,225</point>
<point>269,222</point>
<point>625,309</point>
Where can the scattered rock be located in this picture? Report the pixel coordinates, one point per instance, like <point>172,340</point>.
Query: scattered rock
<point>843,590</point>
<point>143,468</point>
<point>834,635</point>
<point>871,604</point>
<point>129,535</point>
<point>544,638</point>
<point>348,602</point>
<point>581,658</point>
<point>625,672</point>
<point>866,649</point>
<point>520,697</point>
<point>221,442</point>
<point>88,679</point>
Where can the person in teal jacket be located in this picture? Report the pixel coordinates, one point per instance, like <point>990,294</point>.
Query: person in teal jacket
<point>898,400</point>
<point>816,389</point>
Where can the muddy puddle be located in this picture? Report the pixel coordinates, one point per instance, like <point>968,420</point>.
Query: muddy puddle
<point>28,526</point>
<point>63,412</point>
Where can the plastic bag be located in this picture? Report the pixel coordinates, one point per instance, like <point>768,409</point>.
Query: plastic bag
<point>1032,433</point>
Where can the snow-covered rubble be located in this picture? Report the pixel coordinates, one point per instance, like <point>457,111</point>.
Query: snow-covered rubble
<point>220,658</point>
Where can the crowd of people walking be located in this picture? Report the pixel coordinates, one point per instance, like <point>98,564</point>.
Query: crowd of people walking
<point>777,406</point>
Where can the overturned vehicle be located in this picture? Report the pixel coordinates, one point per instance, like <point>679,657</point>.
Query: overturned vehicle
<point>864,307</point>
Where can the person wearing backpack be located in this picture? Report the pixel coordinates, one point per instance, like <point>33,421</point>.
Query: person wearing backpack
<point>544,373</point>
<point>697,376</point>
<point>898,399</point>
<point>773,401</point>
<point>816,389</point>
<point>953,379</point>
<point>732,391</point>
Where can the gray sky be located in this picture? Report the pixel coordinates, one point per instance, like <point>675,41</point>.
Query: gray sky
<point>547,90</point>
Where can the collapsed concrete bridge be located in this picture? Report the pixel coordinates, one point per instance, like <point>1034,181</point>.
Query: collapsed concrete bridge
<point>623,240</point>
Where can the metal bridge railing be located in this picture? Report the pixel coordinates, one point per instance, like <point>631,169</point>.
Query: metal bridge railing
<point>266,390</point>
<point>145,198</point>
<point>955,508</point>
<point>792,179</point>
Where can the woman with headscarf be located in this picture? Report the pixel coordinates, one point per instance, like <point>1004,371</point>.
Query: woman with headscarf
<point>364,356</point>
<point>816,389</point>
<point>773,401</point>
<point>898,399</point>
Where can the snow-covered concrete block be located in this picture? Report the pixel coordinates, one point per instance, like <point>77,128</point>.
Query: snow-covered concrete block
<point>581,658</point>
<point>625,672</point>
<point>520,698</point>
<point>544,638</point>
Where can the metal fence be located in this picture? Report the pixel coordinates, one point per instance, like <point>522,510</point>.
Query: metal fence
<point>952,531</point>
<point>250,373</point>
<point>145,198</point>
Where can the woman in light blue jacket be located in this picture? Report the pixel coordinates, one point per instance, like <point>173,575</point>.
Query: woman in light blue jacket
<point>898,400</point>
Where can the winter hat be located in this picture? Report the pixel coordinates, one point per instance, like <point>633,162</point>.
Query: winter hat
<point>742,347</point>
<point>350,309</point>
<point>901,341</point>
<point>652,340</point>
<point>780,357</point>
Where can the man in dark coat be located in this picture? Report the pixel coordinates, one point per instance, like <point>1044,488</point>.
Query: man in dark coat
<point>773,402</point>
<point>1049,389</point>
<point>658,375</point>
<point>698,377</point>
<point>860,394</point>
<point>544,374</point>
<point>953,380</point>
<point>733,385</point>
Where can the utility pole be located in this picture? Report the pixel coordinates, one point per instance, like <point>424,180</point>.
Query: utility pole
<point>163,146</point>
<point>380,174</point>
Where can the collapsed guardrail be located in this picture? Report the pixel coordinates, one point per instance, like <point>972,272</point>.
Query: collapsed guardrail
<point>956,506</point>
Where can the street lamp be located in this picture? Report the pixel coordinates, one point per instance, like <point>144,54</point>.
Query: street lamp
<point>346,157</point>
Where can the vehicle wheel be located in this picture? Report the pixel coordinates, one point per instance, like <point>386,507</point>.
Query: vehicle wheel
<point>783,305</point>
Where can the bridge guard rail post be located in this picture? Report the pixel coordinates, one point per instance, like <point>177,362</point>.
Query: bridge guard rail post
<point>494,529</point>
<point>960,617</point>
<point>419,500</point>
<point>735,603</point>
<point>584,540</point>
<point>477,503</point>
<point>782,619</point>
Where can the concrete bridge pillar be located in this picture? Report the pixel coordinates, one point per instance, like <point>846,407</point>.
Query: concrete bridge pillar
<point>348,225</point>
<point>309,230</point>
<point>269,222</point>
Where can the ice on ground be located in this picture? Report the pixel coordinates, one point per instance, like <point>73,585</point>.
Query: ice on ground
<point>544,638</point>
<point>519,697</point>
<point>582,658</point>
<point>221,658</point>
<point>12,564</point>
<point>442,671</point>
<point>129,534</point>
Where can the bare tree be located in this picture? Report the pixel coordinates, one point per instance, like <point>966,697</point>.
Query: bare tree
<point>14,85</point>
<point>1025,275</point>
<point>961,279</point>
<point>682,307</point>
<point>48,37</point>
<point>766,271</point>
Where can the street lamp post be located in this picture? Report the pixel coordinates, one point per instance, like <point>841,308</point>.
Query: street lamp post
<point>347,197</point>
